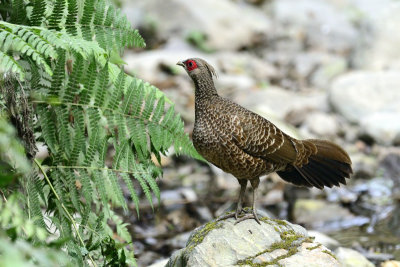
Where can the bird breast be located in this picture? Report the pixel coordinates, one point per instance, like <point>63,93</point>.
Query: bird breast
<point>213,139</point>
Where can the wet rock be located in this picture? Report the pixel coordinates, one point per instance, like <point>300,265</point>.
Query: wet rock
<point>352,258</point>
<point>224,243</point>
<point>360,94</point>
<point>322,215</point>
<point>390,164</point>
<point>375,192</point>
<point>212,21</point>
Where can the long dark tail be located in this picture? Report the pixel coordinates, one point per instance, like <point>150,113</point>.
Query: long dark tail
<point>330,166</point>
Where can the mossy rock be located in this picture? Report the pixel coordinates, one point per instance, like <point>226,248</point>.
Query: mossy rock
<point>273,243</point>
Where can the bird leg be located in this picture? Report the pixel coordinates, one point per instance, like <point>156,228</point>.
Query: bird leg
<point>254,185</point>
<point>243,185</point>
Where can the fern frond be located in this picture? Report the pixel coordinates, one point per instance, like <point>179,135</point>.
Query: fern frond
<point>72,187</point>
<point>57,14</point>
<point>18,15</point>
<point>127,180</point>
<point>117,190</point>
<point>37,16</point>
<point>8,63</point>
<point>71,17</point>
<point>48,127</point>
<point>35,211</point>
<point>141,177</point>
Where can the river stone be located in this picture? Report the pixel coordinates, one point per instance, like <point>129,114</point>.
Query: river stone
<point>352,258</point>
<point>383,127</point>
<point>214,19</point>
<point>224,243</point>
<point>359,94</point>
<point>326,24</point>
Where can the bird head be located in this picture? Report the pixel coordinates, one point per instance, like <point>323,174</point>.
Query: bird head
<point>197,67</point>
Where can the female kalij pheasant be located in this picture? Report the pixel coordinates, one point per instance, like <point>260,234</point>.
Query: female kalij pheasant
<point>246,145</point>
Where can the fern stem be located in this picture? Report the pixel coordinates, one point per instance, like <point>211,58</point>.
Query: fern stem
<point>90,168</point>
<point>64,208</point>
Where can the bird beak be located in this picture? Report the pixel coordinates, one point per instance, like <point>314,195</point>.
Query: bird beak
<point>180,63</point>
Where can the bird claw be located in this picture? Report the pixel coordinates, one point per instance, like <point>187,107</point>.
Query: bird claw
<point>235,215</point>
<point>253,215</point>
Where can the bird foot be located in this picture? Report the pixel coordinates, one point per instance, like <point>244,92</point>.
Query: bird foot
<point>253,215</point>
<point>239,219</point>
<point>231,215</point>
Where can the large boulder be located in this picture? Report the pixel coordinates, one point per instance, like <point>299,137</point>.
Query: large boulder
<point>370,99</point>
<point>276,242</point>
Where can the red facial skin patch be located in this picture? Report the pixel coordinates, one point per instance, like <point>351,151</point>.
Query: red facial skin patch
<point>190,65</point>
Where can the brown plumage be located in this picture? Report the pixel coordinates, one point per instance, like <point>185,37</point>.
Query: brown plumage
<point>247,145</point>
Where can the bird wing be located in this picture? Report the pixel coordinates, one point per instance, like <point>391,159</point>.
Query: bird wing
<point>258,137</point>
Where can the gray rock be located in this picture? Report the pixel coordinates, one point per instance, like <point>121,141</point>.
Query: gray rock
<point>322,124</point>
<point>146,65</point>
<point>159,263</point>
<point>360,94</point>
<point>322,215</point>
<point>281,102</point>
<point>214,19</point>
<point>383,127</point>
<point>318,68</point>
<point>323,239</point>
<point>352,258</point>
<point>245,63</point>
<point>324,24</point>
<point>224,243</point>
<point>382,20</point>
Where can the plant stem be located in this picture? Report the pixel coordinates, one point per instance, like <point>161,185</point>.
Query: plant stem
<point>64,208</point>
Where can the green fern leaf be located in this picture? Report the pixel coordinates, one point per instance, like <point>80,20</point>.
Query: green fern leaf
<point>8,63</point>
<point>57,14</point>
<point>117,190</point>
<point>140,175</point>
<point>71,17</point>
<point>37,16</point>
<point>18,15</point>
<point>48,127</point>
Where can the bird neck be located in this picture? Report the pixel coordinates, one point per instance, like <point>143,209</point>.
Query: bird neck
<point>204,88</point>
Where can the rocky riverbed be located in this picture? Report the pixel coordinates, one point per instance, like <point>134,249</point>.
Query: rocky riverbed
<point>318,69</point>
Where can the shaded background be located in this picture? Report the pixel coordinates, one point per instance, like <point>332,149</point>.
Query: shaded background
<point>318,69</point>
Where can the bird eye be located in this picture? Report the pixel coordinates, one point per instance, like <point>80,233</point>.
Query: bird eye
<point>190,65</point>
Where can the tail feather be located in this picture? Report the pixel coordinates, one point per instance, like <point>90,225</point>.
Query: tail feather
<point>329,166</point>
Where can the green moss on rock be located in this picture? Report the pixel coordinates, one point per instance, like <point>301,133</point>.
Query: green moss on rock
<point>329,253</point>
<point>314,247</point>
<point>290,242</point>
<point>199,236</point>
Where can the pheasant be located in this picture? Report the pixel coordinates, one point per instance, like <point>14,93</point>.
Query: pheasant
<point>248,146</point>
